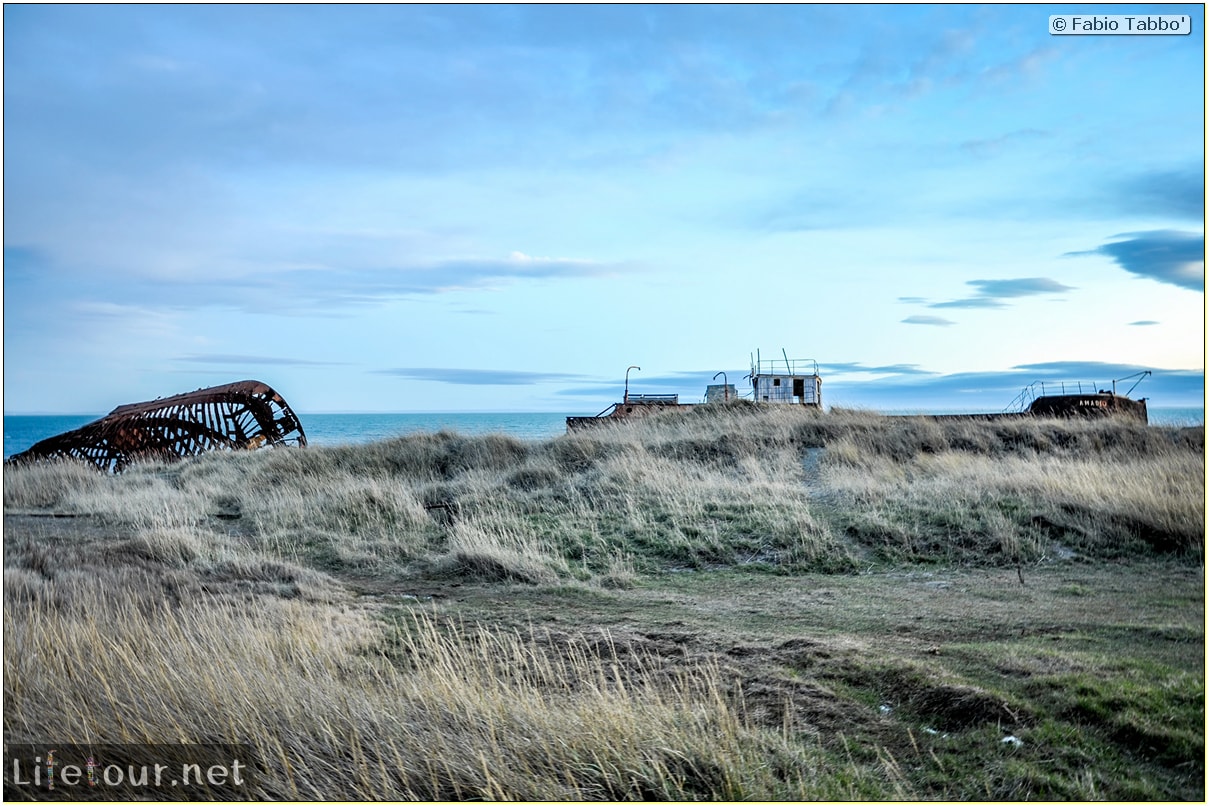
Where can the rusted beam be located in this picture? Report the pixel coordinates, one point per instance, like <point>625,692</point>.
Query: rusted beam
<point>235,416</point>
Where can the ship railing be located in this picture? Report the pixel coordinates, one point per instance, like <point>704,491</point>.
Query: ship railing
<point>794,366</point>
<point>1038,389</point>
<point>652,399</point>
<point>640,400</point>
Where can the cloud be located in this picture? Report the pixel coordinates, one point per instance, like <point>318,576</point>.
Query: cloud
<point>1022,287</point>
<point>331,289</point>
<point>1074,370</point>
<point>1168,256</point>
<point>891,72</point>
<point>1102,375</point>
<point>995,390</point>
<point>460,274</point>
<point>223,358</point>
<point>928,320</point>
<point>1164,196</point>
<point>829,207</point>
<point>326,286</point>
<point>1178,193</point>
<point>605,393</point>
<point>689,384</point>
<point>890,369</point>
<point>1142,322</point>
<point>971,302</point>
<point>1026,66</point>
<point>909,386</point>
<point>477,377</point>
<point>352,284</point>
<point>422,89</point>
<point>990,292</point>
<point>993,146</point>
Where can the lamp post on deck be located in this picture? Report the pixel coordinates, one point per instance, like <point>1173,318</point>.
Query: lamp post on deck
<point>626,399</point>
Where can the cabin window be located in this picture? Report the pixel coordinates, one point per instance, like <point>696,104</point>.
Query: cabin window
<point>776,381</point>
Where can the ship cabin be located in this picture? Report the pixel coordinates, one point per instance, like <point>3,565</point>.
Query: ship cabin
<point>787,381</point>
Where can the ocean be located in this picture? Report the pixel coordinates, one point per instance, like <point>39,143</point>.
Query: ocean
<point>22,431</point>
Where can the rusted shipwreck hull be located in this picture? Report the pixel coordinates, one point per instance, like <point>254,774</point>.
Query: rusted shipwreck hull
<point>234,416</point>
<point>632,408</point>
<point>1073,400</point>
<point>1104,404</point>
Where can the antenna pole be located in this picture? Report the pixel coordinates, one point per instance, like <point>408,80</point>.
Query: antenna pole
<point>626,399</point>
<point>725,387</point>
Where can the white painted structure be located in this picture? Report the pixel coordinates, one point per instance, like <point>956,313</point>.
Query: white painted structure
<point>787,381</point>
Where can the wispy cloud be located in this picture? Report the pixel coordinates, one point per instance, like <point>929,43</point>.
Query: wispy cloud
<point>970,302</point>
<point>229,359</point>
<point>994,391</point>
<point>1178,193</point>
<point>186,182</point>
<point>993,146</point>
<point>1143,322</point>
<point>1169,256</point>
<point>332,289</point>
<point>1021,287</point>
<point>883,369</point>
<point>321,94</point>
<point>1078,370</point>
<point>477,377</point>
<point>689,384</point>
<point>928,320</point>
<point>334,284</point>
<point>899,386</point>
<point>990,292</point>
<point>941,60</point>
<point>601,392</point>
<point>1026,66</point>
<point>821,208</point>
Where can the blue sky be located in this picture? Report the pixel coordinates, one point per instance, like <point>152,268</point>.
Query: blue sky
<point>500,208</point>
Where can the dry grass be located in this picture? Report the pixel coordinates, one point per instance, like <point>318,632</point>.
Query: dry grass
<point>1104,489</point>
<point>340,705</point>
<point>130,600</point>
<point>784,489</point>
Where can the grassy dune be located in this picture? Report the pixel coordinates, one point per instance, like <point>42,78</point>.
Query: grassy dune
<point>741,603</point>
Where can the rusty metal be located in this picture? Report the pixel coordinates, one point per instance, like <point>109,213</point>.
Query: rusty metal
<point>1102,404</point>
<point>235,416</point>
<point>635,407</point>
<point>1073,399</point>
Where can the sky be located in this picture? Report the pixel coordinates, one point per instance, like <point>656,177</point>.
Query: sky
<point>502,208</point>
